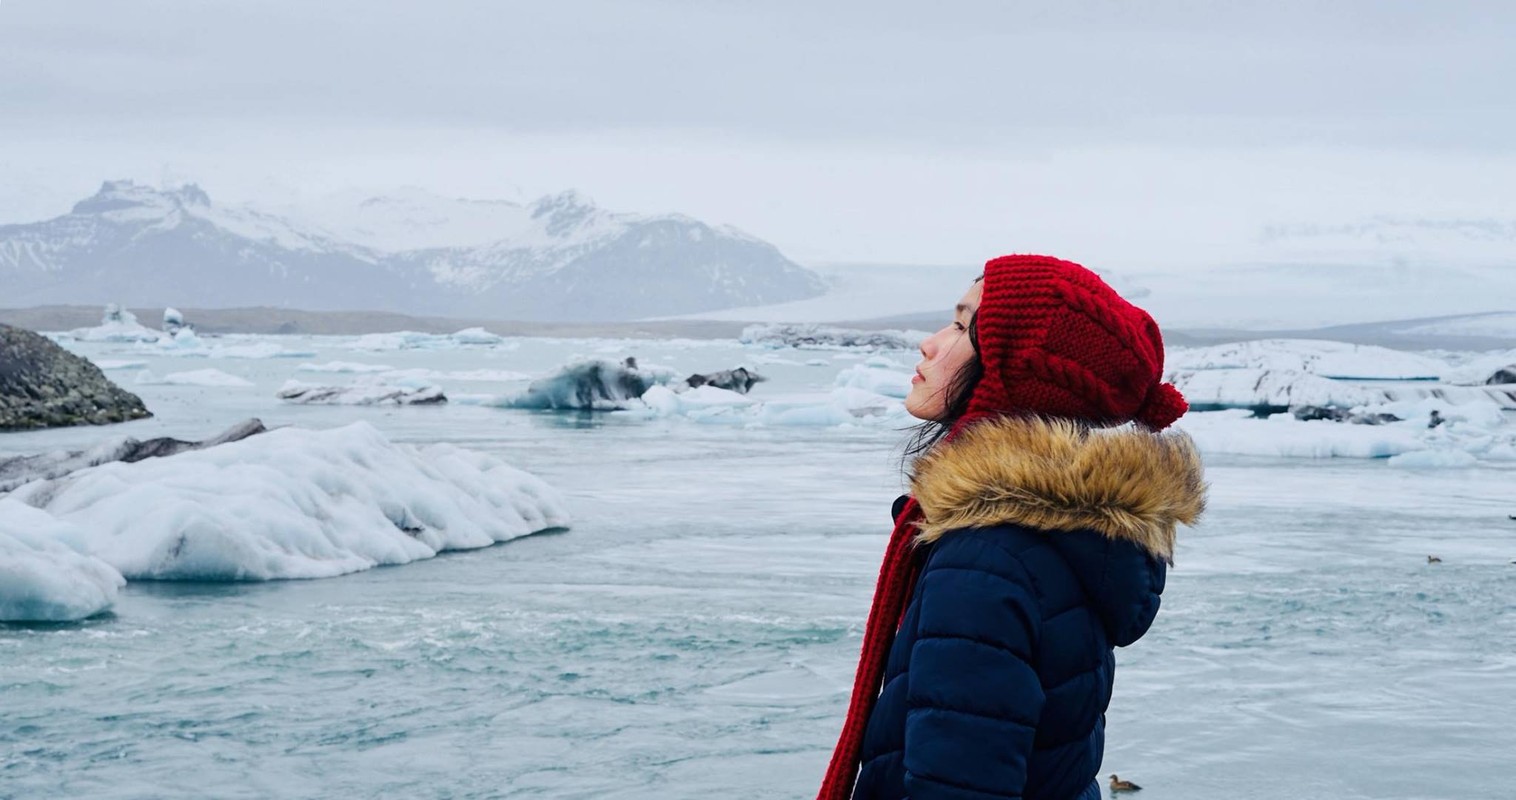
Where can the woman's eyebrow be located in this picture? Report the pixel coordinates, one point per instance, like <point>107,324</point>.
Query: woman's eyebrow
<point>962,307</point>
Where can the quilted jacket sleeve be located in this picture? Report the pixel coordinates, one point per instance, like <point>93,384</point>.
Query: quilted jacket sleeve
<point>973,696</point>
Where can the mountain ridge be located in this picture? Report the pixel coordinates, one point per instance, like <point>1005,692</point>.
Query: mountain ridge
<point>560,257</point>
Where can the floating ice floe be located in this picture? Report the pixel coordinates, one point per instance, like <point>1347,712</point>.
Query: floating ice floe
<point>197,377</point>
<point>345,366</point>
<point>415,340</point>
<point>289,503</point>
<point>804,335</point>
<point>1478,431</point>
<point>173,321</point>
<point>1310,356</point>
<point>877,375</point>
<point>842,407</point>
<point>591,384</point>
<point>116,325</point>
<point>43,578</point>
<point>1497,368</point>
<point>185,343</point>
<point>362,393</point>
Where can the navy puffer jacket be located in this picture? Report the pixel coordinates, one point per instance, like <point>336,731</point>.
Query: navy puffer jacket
<point>1045,545</point>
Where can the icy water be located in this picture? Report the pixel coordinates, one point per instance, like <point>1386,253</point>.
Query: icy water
<point>694,634</point>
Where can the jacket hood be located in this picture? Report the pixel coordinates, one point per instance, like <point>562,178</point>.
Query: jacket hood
<point>1108,498</point>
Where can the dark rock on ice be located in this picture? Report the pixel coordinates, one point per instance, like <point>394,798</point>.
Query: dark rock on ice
<point>738,380</point>
<point>44,386</point>
<point>47,466</point>
<point>1338,414</point>
<point>1502,376</point>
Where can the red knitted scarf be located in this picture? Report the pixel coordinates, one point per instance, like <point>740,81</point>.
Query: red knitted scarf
<point>897,577</point>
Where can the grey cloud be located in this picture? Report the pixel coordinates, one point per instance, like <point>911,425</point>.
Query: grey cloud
<point>980,75</point>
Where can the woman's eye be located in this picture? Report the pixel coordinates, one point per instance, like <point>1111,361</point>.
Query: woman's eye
<point>959,326</point>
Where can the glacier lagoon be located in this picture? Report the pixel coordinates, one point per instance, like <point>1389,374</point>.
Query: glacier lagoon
<point>693,634</point>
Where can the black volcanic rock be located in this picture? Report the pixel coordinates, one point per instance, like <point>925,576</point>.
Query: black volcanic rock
<point>44,386</point>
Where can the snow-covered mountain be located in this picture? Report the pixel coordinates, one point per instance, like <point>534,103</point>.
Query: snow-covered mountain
<point>560,258</point>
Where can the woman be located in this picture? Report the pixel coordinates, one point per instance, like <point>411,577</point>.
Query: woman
<point>1041,518</point>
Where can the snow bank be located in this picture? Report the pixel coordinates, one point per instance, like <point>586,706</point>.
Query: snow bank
<point>1316,357</point>
<point>42,577</point>
<point>198,377</point>
<point>294,503</point>
<point>362,393</point>
<point>826,337</point>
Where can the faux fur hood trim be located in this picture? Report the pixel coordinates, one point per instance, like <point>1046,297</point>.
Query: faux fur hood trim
<point>1056,475</point>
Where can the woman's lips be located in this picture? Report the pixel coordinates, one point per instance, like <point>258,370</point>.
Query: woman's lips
<point>917,378</point>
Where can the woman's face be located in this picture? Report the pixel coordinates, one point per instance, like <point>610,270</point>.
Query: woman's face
<point>944,354</point>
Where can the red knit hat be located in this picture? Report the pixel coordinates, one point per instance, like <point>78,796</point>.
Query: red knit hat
<point>1055,341</point>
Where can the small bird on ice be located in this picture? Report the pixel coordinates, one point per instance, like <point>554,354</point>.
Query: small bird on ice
<point>1433,560</point>
<point>1119,785</point>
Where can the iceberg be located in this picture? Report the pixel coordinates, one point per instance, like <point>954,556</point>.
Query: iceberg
<point>592,384</point>
<point>291,503</point>
<point>1311,356</point>
<point>805,335</point>
<point>116,325</point>
<point>362,394</point>
<point>42,577</point>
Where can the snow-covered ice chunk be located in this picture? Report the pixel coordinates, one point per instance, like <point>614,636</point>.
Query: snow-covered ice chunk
<point>1247,387</point>
<point>477,336</point>
<point>197,377</point>
<point>592,384</point>
<point>42,577</point>
<point>1235,432</point>
<point>173,320</point>
<point>362,394</point>
<point>116,325</point>
<point>880,376</point>
<point>295,503</point>
<point>1316,357</point>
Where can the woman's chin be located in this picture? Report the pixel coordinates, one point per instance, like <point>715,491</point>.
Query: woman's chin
<point>920,409</point>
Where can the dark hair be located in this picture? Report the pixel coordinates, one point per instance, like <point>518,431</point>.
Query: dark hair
<point>959,391</point>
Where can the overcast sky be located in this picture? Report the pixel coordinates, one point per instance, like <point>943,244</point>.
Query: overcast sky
<point>1125,134</point>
